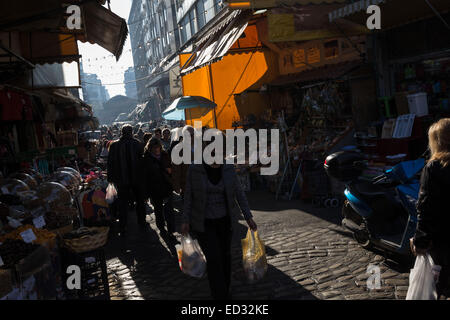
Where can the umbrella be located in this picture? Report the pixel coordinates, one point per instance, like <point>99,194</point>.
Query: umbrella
<point>176,109</point>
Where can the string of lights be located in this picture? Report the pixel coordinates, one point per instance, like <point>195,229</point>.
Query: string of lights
<point>123,82</point>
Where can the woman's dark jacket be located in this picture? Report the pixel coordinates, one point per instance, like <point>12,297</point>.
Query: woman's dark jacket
<point>195,195</point>
<point>433,208</point>
<point>158,184</point>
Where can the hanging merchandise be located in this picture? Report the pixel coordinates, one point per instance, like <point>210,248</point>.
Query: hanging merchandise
<point>15,106</point>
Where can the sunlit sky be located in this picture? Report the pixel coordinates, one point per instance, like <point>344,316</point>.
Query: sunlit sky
<point>108,70</point>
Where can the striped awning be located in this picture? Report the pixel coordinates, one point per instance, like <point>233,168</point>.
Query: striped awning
<point>352,8</point>
<point>216,46</point>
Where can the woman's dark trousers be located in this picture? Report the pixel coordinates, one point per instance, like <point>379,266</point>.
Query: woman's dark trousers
<point>216,245</point>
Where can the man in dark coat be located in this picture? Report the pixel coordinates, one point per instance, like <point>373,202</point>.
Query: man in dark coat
<point>124,171</point>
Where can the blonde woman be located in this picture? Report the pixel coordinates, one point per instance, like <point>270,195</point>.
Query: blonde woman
<point>433,205</point>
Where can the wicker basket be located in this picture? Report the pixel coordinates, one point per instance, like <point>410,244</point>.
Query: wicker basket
<point>87,242</point>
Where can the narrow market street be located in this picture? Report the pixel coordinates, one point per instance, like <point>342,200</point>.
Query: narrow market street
<point>310,256</point>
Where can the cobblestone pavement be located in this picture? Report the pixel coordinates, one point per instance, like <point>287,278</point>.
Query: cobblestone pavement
<point>309,257</point>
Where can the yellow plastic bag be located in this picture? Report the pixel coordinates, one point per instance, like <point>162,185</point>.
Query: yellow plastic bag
<point>253,256</point>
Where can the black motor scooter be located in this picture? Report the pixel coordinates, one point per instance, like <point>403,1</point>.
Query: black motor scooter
<point>380,213</point>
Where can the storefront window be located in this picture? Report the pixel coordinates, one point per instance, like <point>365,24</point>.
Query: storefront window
<point>185,29</point>
<point>209,9</point>
<point>218,4</point>
<point>192,21</point>
<point>188,28</point>
<point>200,14</point>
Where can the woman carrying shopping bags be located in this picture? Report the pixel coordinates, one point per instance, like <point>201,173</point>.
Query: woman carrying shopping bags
<point>433,205</point>
<point>208,198</point>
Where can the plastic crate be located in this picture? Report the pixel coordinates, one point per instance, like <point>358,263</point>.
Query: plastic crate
<point>94,275</point>
<point>418,104</point>
<point>94,286</point>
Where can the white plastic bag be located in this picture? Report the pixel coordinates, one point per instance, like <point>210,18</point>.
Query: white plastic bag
<point>422,279</point>
<point>191,258</point>
<point>111,193</point>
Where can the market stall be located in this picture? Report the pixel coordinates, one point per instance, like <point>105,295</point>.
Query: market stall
<point>45,226</point>
<point>43,131</point>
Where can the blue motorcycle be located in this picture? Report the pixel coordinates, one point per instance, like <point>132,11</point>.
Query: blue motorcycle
<point>380,213</point>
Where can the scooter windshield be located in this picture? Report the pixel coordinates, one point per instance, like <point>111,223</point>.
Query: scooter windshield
<point>406,170</point>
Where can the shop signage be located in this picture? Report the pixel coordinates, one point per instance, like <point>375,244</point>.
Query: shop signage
<point>316,53</point>
<point>298,58</point>
<point>176,89</point>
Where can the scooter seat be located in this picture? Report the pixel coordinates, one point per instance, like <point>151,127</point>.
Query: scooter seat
<point>369,189</point>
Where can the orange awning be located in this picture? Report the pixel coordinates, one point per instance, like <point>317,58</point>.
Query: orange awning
<point>39,47</point>
<point>266,4</point>
<point>215,50</point>
<point>245,67</point>
<point>104,27</point>
<point>98,25</point>
<point>44,47</point>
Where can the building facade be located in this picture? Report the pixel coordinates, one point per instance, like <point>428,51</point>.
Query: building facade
<point>94,93</point>
<point>153,36</point>
<point>158,29</point>
<point>130,83</point>
<point>193,15</point>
